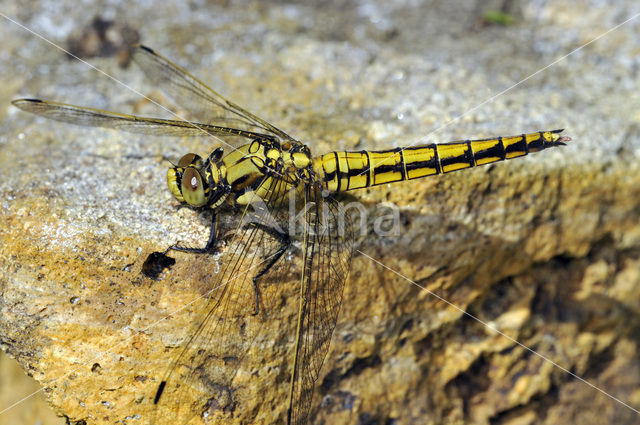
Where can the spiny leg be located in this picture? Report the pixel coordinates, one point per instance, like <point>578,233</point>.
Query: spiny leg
<point>156,262</point>
<point>207,248</point>
<point>285,242</point>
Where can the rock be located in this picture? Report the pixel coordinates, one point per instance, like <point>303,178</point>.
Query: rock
<point>543,249</point>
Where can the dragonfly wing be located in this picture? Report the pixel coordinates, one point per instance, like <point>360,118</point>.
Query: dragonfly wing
<point>81,115</point>
<point>327,254</point>
<point>200,100</point>
<point>198,384</point>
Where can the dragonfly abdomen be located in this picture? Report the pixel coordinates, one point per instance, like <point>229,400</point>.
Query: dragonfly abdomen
<point>342,171</point>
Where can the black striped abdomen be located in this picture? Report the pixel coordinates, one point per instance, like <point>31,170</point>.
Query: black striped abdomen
<point>342,171</point>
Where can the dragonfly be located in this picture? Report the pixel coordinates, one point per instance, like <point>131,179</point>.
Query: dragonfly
<point>257,173</point>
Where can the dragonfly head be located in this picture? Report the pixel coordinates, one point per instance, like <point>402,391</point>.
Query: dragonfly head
<point>196,182</point>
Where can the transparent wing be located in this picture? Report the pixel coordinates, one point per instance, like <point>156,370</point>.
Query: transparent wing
<point>152,126</point>
<point>197,385</point>
<point>199,99</point>
<point>327,255</point>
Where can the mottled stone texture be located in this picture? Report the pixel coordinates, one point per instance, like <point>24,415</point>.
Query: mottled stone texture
<point>544,249</point>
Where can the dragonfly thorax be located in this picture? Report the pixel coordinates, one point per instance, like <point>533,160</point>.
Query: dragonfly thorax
<point>196,182</point>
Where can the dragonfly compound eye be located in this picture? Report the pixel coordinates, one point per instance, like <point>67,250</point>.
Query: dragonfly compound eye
<point>192,187</point>
<point>190,159</point>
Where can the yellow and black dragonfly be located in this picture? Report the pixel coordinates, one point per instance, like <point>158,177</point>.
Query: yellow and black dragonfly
<point>259,172</point>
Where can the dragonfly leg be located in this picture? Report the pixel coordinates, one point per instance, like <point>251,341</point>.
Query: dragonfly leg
<point>285,242</point>
<point>156,262</point>
<point>207,248</point>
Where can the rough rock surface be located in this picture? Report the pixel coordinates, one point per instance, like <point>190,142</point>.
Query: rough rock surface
<point>545,249</point>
